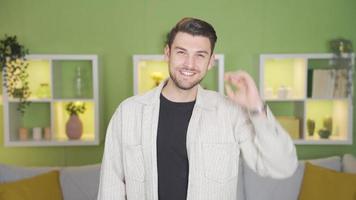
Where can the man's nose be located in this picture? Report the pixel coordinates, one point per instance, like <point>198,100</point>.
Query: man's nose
<point>189,61</point>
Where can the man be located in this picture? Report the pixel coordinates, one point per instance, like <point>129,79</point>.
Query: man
<point>180,141</point>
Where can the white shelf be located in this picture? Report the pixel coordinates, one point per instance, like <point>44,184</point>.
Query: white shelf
<point>30,100</point>
<point>57,72</point>
<point>323,142</point>
<point>282,100</point>
<point>333,99</point>
<point>45,143</point>
<point>72,99</point>
<point>281,71</point>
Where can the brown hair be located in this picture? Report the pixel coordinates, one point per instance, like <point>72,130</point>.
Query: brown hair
<point>195,27</point>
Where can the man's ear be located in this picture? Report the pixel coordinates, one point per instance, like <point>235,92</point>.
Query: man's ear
<point>166,52</point>
<point>211,61</point>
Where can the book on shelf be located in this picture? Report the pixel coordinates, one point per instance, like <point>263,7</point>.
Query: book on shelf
<point>291,124</point>
<point>329,83</point>
<point>323,83</point>
<point>310,83</point>
<point>341,88</point>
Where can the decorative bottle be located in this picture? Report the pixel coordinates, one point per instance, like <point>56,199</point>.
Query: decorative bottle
<point>79,82</point>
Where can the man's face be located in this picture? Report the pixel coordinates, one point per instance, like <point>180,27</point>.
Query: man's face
<point>189,59</point>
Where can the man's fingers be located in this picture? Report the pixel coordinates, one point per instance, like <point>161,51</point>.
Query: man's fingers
<point>229,91</point>
<point>227,76</point>
<point>241,80</point>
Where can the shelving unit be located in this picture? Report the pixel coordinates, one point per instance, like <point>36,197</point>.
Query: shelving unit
<point>303,87</point>
<point>150,70</point>
<point>53,81</point>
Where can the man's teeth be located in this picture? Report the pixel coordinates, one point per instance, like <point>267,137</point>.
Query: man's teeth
<point>187,73</point>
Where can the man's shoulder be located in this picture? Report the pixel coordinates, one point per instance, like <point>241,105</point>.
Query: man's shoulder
<point>216,97</point>
<point>211,99</point>
<point>140,99</point>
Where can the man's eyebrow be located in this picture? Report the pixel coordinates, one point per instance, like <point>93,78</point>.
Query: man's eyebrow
<point>203,51</point>
<point>183,49</point>
<point>180,48</point>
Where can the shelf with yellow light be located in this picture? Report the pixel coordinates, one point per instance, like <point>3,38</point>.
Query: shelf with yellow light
<point>61,116</point>
<point>54,81</point>
<point>310,116</point>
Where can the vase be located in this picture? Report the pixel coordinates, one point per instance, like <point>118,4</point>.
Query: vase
<point>328,123</point>
<point>74,127</point>
<point>79,83</point>
<point>324,133</point>
<point>23,134</point>
<point>310,127</point>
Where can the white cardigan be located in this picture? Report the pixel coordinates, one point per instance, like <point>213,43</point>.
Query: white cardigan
<point>219,133</point>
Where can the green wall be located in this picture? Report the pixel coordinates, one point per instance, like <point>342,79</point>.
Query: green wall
<point>117,29</point>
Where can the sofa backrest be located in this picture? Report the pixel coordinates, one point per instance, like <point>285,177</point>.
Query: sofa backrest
<point>77,183</point>
<point>13,173</point>
<point>81,183</point>
<point>264,188</point>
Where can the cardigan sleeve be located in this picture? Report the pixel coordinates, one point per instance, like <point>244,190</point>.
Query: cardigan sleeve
<point>112,183</point>
<point>266,147</point>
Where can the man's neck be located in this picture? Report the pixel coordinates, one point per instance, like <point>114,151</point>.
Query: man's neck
<point>175,94</point>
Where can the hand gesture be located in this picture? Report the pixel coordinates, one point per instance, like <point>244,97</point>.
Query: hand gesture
<point>241,88</point>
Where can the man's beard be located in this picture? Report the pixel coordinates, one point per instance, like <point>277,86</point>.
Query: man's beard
<point>181,85</point>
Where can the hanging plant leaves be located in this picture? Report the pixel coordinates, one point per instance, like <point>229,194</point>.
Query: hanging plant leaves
<point>14,67</point>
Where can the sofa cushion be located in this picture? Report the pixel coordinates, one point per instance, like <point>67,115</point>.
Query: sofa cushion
<point>13,173</point>
<point>42,187</point>
<point>80,183</point>
<point>281,189</point>
<point>77,183</point>
<point>326,184</point>
<point>240,183</point>
<point>349,163</point>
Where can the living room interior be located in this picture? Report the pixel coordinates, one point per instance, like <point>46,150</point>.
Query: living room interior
<point>108,34</point>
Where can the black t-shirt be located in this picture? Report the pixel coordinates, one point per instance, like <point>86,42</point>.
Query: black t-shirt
<point>172,159</point>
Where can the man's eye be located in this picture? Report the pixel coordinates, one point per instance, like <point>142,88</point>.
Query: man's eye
<point>201,55</point>
<point>180,52</point>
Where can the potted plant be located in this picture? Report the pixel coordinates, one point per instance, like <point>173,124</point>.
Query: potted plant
<point>326,131</point>
<point>157,77</point>
<point>74,126</point>
<point>14,68</point>
<point>310,127</point>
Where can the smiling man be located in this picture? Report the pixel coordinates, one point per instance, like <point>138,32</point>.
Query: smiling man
<point>180,141</point>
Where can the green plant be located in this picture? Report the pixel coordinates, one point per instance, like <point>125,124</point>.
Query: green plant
<point>341,45</point>
<point>310,126</point>
<point>74,108</point>
<point>324,133</point>
<point>328,123</point>
<point>14,68</point>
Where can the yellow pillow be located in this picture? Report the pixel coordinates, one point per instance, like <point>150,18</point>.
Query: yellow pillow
<point>326,184</point>
<point>42,187</point>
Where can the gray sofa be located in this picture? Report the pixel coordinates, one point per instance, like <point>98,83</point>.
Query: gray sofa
<point>254,187</point>
<point>81,183</point>
<point>77,183</point>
